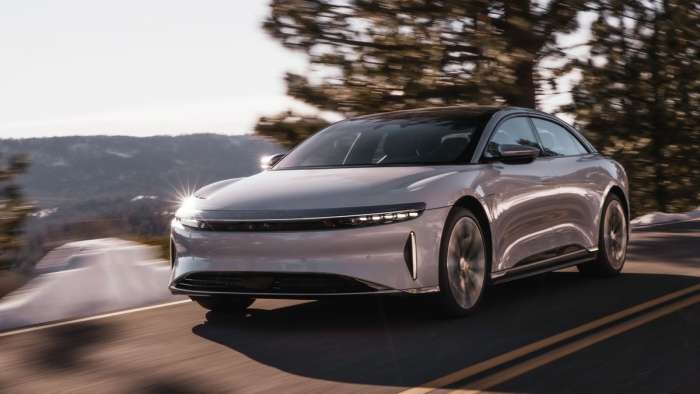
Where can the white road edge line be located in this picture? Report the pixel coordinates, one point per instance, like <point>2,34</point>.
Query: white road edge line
<point>89,318</point>
<point>645,226</point>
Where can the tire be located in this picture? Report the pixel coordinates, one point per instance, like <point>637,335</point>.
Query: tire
<point>225,304</point>
<point>613,238</point>
<point>465,264</point>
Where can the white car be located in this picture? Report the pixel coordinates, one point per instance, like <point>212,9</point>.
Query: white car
<point>440,200</point>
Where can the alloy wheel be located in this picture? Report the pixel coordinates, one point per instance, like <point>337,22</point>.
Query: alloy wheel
<point>466,262</point>
<point>615,234</point>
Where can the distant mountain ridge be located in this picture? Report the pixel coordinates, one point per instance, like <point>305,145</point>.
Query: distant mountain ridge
<point>68,171</point>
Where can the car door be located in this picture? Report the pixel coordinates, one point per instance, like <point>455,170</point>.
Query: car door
<point>519,197</point>
<point>576,180</point>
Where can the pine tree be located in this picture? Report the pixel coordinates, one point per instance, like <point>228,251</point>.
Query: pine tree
<point>639,98</point>
<point>287,128</point>
<point>377,55</point>
<point>14,210</point>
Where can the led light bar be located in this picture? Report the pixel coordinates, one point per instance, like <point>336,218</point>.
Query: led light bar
<point>298,224</point>
<point>385,217</point>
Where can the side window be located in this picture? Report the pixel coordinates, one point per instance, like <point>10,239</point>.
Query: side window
<point>556,140</point>
<point>514,131</point>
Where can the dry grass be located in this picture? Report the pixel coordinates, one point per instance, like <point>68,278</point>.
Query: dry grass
<point>11,281</point>
<point>163,244</point>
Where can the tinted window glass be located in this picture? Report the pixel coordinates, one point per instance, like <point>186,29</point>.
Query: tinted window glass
<point>392,139</point>
<point>556,140</point>
<point>514,131</point>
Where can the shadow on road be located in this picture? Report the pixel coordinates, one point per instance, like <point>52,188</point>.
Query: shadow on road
<point>70,346</point>
<point>399,342</point>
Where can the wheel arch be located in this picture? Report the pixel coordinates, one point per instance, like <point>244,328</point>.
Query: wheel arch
<point>473,204</point>
<point>618,192</point>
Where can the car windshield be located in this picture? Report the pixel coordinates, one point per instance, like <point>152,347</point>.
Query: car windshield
<point>391,139</point>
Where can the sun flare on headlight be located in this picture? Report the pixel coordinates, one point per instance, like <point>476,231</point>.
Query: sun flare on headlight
<point>186,213</point>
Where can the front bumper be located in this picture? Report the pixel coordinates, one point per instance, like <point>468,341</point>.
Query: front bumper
<point>287,264</point>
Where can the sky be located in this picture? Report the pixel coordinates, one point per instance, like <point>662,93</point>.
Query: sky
<point>140,67</point>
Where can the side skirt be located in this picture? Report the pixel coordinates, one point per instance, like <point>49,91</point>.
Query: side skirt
<point>542,266</point>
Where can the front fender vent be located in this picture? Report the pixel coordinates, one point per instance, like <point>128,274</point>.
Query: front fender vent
<point>410,255</point>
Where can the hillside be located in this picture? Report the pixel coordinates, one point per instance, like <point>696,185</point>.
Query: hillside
<point>67,170</point>
<point>116,184</point>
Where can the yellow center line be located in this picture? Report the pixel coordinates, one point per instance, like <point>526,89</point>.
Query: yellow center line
<point>477,368</point>
<point>553,355</point>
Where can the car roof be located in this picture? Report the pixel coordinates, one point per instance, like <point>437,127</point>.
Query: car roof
<point>457,110</point>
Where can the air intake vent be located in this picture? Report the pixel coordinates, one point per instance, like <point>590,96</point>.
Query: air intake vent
<point>410,255</point>
<point>271,283</point>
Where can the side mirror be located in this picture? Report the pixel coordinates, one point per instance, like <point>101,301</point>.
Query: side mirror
<point>267,162</point>
<point>517,154</point>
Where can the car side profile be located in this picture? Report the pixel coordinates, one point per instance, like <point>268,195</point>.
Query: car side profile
<point>442,201</point>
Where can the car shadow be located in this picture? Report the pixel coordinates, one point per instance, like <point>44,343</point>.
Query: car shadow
<point>399,341</point>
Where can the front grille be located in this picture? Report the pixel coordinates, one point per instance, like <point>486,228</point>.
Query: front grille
<point>301,225</point>
<point>271,283</point>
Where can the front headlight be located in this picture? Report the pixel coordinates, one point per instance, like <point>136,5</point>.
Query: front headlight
<point>382,218</point>
<point>187,215</point>
<point>188,222</point>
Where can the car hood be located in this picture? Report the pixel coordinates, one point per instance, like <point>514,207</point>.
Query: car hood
<point>329,188</point>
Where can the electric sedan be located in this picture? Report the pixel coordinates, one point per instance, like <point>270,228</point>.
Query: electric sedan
<point>441,200</point>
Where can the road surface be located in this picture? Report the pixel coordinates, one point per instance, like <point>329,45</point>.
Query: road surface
<point>558,333</point>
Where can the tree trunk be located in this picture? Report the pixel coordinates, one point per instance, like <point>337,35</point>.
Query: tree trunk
<point>521,39</point>
<point>525,83</point>
<point>658,116</point>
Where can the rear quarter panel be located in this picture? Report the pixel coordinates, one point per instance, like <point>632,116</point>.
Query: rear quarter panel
<point>582,185</point>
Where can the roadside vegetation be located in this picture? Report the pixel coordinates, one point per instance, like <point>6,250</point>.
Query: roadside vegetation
<point>637,98</point>
<point>14,211</point>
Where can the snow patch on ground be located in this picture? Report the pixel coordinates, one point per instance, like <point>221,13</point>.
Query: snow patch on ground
<point>657,218</point>
<point>123,155</point>
<point>92,277</point>
<point>44,212</point>
<point>59,163</point>
<point>144,197</point>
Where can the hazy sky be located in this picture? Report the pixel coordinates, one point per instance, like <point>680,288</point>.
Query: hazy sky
<point>138,67</point>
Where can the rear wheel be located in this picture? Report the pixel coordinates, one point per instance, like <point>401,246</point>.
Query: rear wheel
<point>226,304</point>
<point>464,263</point>
<point>612,241</point>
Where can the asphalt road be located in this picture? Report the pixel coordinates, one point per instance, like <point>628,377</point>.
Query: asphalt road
<point>391,345</point>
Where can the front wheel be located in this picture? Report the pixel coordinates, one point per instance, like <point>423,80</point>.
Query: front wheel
<point>612,241</point>
<point>464,263</point>
<point>225,304</point>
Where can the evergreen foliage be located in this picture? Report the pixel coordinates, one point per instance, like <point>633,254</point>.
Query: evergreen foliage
<point>14,211</point>
<point>369,56</point>
<point>639,98</point>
